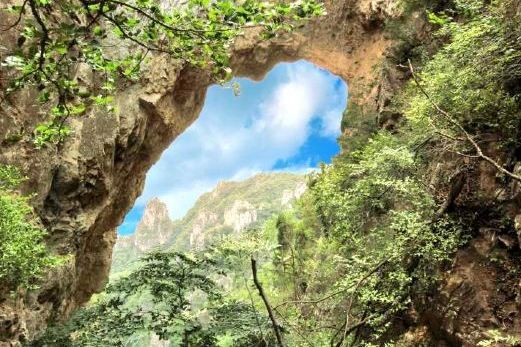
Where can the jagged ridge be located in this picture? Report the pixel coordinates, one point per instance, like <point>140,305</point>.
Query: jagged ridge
<point>230,207</point>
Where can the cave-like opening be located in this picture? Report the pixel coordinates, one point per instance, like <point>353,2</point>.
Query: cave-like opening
<point>288,122</point>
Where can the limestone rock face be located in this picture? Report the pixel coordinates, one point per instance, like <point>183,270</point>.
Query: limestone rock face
<point>241,215</point>
<point>153,229</point>
<point>203,220</point>
<point>86,186</point>
<point>476,296</point>
<point>289,195</point>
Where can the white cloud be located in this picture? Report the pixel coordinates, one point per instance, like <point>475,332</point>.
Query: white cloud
<point>330,124</point>
<point>235,138</point>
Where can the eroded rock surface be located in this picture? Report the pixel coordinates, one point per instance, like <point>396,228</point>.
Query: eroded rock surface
<point>154,229</point>
<point>85,187</point>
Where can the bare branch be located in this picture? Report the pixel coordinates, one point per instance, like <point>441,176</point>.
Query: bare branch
<point>19,19</point>
<point>131,38</point>
<point>276,327</point>
<point>313,302</point>
<point>464,132</point>
<point>45,34</point>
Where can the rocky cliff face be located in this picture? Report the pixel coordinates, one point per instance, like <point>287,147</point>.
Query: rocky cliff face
<point>197,236</point>
<point>230,208</point>
<point>154,228</point>
<point>240,215</point>
<point>85,187</point>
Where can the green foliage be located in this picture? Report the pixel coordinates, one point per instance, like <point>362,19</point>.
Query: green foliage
<point>409,6</point>
<point>173,295</point>
<point>10,177</point>
<point>363,237</point>
<point>475,77</point>
<point>497,337</point>
<point>57,36</point>
<point>376,205</point>
<point>23,256</point>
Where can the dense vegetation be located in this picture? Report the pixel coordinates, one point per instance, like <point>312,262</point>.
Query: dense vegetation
<point>350,261</point>
<point>23,256</point>
<point>156,299</point>
<point>473,80</point>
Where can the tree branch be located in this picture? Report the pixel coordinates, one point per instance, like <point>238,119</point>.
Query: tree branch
<point>455,123</point>
<point>154,19</point>
<point>131,38</point>
<point>343,290</point>
<point>348,329</point>
<point>185,30</point>
<point>19,19</point>
<point>313,302</point>
<point>276,327</point>
<point>45,33</point>
<point>253,307</point>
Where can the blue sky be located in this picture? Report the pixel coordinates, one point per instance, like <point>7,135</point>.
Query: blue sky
<point>287,122</point>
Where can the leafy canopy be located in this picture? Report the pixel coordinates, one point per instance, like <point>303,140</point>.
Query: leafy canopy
<point>475,77</point>
<point>57,37</point>
<point>173,295</point>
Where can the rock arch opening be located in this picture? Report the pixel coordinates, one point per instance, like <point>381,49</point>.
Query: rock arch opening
<point>84,190</point>
<point>349,43</point>
<point>264,140</point>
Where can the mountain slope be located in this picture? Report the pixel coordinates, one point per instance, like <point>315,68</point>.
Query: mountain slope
<point>230,208</point>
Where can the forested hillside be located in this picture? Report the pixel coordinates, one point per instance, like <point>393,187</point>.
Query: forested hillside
<point>229,209</point>
<point>411,237</point>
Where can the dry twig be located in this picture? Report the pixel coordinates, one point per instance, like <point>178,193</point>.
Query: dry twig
<point>276,327</point>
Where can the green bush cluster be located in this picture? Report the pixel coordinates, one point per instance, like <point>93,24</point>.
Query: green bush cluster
<point>475,77</point>
<point>374,202</point>
<point>23,255</point>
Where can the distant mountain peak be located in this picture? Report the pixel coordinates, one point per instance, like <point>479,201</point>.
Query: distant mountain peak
<point>152,230</point>
<point>155,213</point>
<point>231,207</point>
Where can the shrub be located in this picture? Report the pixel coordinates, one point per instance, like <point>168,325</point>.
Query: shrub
<point>23,255</point>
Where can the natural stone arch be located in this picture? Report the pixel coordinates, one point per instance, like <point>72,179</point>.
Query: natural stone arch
<point>86,187</point>
<point>349,42</point>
